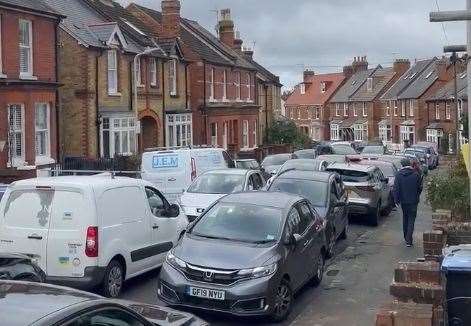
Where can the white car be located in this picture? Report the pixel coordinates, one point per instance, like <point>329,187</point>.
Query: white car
<point>88,231</point>
<point>213,185</point>
<point>173,170</point>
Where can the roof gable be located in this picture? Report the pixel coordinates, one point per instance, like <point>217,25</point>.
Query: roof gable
<point>352,85</point>
<point>380,78</point>
<point>314,94</point>
<point>109,34</point>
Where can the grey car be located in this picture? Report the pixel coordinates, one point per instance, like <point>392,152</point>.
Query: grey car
<point>39,304</point>
<point>272,163</point>
<point>246,255</point>
<point>368,189</point>
<point>20,267</point>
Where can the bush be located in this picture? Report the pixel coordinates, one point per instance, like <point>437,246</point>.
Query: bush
<point>450,191</point>
<point>286,132</point>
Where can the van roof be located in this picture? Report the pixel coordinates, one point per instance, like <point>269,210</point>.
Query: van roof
<point>229,171</point>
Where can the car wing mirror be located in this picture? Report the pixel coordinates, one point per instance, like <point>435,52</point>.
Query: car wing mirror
<point>173,211</point>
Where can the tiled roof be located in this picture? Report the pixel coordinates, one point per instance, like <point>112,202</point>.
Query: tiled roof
<point>381,78</point>
<point>352,85</point>
<point>266,73</point>
<point>103,31</point>
<point>34,5</point>
<point>313,94</point>
<point>447,92</point>
<point>402,83</point>
<point>422,82</point>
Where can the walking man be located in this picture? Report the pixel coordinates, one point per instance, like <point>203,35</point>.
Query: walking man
<point>407,190</point>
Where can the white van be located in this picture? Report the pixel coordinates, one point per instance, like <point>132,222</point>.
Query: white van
<point>87,231</point>
<point>172,171</point>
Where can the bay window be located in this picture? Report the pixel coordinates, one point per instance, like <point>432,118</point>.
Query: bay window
<point>432,135</point>
<point>179,130</point>
<point>16,133</point>
<point>172,75</point>
<point>334,132</point>
<point>408,133</point>
<point>112,72</point>
<point>384,132</point>
<point>360,132</point>
<point>26,48</point>
<point>118,136</point>
<point>42,130</point>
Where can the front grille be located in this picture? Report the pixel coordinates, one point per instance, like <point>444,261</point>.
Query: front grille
<point>221,277</point>
<point>208,303</point>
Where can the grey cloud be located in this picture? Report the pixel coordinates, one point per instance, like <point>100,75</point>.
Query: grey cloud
<point>325,34</point>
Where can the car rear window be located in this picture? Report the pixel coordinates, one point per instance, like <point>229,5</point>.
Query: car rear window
<point>218,183</point>
<point>314,191</point>
<point>276,160</point>
<point>29,208</point>
<point>352,175</point>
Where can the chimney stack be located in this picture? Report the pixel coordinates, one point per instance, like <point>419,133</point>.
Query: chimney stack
<point>400,66</point>
<point>238,42</point>
<point>347,71</point>
<point>359,64</point>
<point>226,28</point>
<point>171,18</point>
<point>307,74</point>
<point>248,52</point>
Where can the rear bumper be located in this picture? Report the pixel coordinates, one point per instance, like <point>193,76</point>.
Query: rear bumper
<point>93,276</point>
<point>360,206</point>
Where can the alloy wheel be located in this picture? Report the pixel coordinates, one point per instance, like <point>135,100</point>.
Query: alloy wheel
<point>282,301</point>
<point>115,281</point>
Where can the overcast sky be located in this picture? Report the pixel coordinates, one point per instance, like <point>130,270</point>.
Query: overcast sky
<point>324,35</point>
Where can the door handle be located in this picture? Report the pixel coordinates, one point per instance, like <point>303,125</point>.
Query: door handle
<point>155,226</point>
<point>172,179</point>
<point>35,237</point>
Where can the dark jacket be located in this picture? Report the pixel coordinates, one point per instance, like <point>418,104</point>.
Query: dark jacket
<point>407,186</point>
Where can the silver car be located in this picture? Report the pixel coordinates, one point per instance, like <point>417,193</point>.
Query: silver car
<point>368,189</point>
<point>247,255</point>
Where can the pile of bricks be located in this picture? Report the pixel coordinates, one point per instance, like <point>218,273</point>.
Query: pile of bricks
<point>434,242</point>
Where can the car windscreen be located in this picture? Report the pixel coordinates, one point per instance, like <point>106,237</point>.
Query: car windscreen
<point>218,183</point>
<point>240,222</point>
<point>373,150</point>
<point>301,165</point>
<point>306,154</point>
<point>276,160</point>
<point>352,175</point>
<point>343,150</point>
<point>314,191</point>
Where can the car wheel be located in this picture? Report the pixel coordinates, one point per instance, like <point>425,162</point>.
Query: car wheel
<point>283,301</point>
<point>319,273</point>
<point>343,235</point>
<point>332,240</point>
<point>113,281</point>
<point>374,215</point>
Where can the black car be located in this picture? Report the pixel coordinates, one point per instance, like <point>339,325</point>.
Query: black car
<point>326,193</point>
<point>20,267</point>
<point>247,255</point>
<point>35,304</point>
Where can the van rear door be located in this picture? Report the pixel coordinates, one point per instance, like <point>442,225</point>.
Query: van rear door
<point>167,171</point>
<point>26,219</point>
<point>71,215</point>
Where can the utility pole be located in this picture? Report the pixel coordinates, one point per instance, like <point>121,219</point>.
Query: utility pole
<point>460,15</point>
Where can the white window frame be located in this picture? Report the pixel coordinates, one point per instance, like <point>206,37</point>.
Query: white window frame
<point>355,113</point>
<point>403,108</point>
<point>41,158</point>
<point>337,109</point>
<point>129,130</point>
<point>249,88</point>
<point>369,84</point>
<point>302,88</point>
<point>447,110</point>
<point>214,139</point>
<point>432,135</point>
<point>345,109</point>
<point>112,72</point>
<point>238,86</point>
<point>406,131</point>
<point>225,135</point>
<point>16,160</point>
<point>411,108</point>
<point>334,132</point>
<point>1,61</point>
<point>179,130</point>
<point>360,132</point>
<point>299,114</point>
<point>323,87</point>
<point>153,72</point>
<point>211,84</point>
<point>255,135</point>
<point>437,111</point>
<point>317,113</point>
<point>395,108</point>
<point>384,131</point>
<point>364,109</point>
<point>224,85</point>
<point>172,76</point>
<point>29,72</point>
<point>245,134</point>
<point>139,73</point>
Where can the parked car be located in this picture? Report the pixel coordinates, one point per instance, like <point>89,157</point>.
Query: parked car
<point>301,165</point>
<point>326,193</point>
<point>212,185</point>
<point>272,163</point>
<point>324,149</point>
<point>368,190</point>
<point>306,154</point>
<point>333,158</point>
<point>36,304</point>
<point>173,170</point>
<point>20,267</point>
<point>88,231</point>
<point>430,153</point>
<point>246,255</point>
<point>343,148</point>
<point>420,155</point>
<point>375,150</point>
<point>248,164</point>
<point>3,188</point>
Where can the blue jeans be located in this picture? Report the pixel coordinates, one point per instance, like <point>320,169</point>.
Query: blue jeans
<point>409,214</point>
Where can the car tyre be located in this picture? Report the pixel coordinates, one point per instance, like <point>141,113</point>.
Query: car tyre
<point>374,215</point>
<point>331,245</point>
<point>344,234</point>
<point>113,280</point>
<point>283,302</point>
<point>319,273</point>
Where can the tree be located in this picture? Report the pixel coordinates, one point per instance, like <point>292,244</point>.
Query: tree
<point>286,132</point>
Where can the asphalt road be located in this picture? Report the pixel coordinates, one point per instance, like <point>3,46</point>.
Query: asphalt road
<point>356,282</point>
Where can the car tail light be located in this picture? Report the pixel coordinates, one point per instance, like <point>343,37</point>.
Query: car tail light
<point>366,188</point>
<point>91,246</point>
<point>193,169</point>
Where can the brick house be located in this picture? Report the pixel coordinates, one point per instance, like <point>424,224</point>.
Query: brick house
<point>442,116</point>
<point>222,82</point>
<point>28,87</point>
<point>306,106</point>
<point>355,107</point>
<point>404,109</point>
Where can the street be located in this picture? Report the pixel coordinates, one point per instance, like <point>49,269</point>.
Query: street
<point>355,284</point>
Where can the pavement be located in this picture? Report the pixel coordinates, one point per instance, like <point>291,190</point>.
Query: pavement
<point>355,285</point>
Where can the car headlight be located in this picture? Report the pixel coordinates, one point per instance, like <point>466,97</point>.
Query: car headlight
<point>258,271</point>
<point>174,261</point>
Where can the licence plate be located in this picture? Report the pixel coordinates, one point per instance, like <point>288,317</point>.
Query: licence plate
<point>207,293</point>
